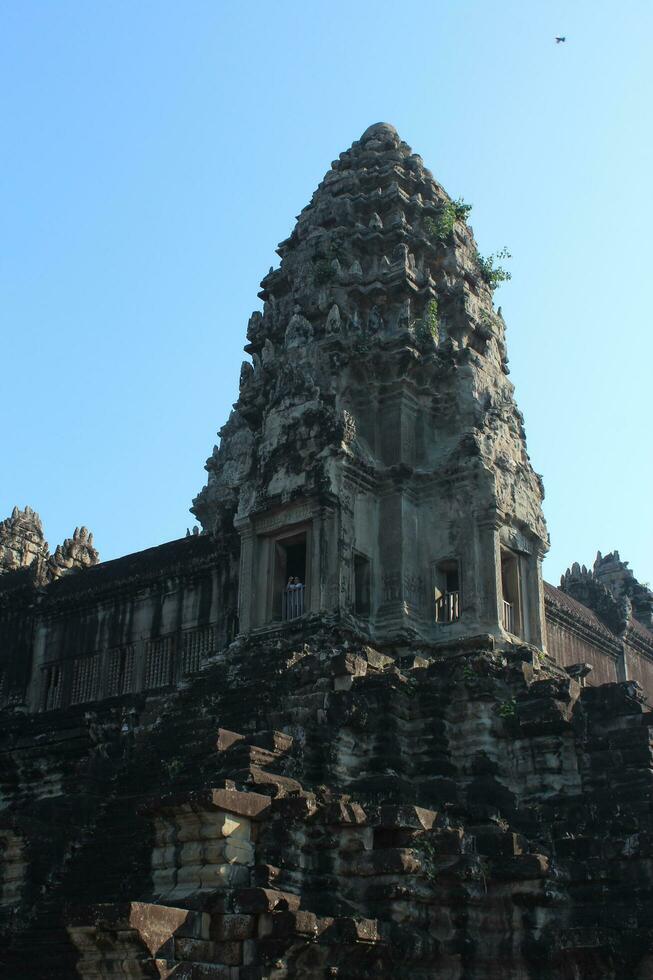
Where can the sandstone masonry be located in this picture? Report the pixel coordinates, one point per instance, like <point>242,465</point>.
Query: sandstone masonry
<point>346,731</point>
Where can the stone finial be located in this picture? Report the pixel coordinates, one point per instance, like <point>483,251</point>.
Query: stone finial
<point>21,540</point>
<point>254,325</point>
<point>333,321</point>
<point>246,373</point>
<point>298,332</point>
<point>267,354</point>
<point>611,590</point>
<point>356,268</point>
<point>75,553</point>
<point>22,545</point>
<point>375,222</point>
<point>615,575</point>
<point>379,129</point>
<point>375,320</point>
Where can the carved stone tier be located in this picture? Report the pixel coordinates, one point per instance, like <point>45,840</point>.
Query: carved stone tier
<point>378,390</point>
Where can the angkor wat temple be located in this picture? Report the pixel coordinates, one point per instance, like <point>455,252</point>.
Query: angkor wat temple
<point>347,730</point>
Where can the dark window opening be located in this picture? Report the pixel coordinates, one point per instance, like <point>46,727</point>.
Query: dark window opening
<point>510,589</point>
<point>290,577</point>
<point>232,627</point>
<point>362,585</point>
<point>384,837</point>
<point>296,561</point>
<point>52,692</point>
<point>447,591</point>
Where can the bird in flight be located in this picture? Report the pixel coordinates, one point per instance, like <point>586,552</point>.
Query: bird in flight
<point>559,40</point>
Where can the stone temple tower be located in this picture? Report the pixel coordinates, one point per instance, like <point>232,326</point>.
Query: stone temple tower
<point>375,457</point>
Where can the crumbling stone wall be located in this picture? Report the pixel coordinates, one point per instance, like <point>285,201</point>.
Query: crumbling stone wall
<point>576,635</point>
<point>619,605</point>
<point>313,807</point>
<point>142,622</point>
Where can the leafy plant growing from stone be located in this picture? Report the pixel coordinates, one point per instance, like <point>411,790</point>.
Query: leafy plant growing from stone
<point>440,227</point>
<point>490,272</point>
<point>430,318</point>
<point>412,686</point>
<point>428,853</point>
<point>174,767</point>
<point>323,270</point>
<point>508,709</point>
<point>486,324</point>
<point>428,327</point>
<point>461,208</point>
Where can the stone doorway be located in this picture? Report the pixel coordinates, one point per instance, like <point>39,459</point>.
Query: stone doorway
<point>290,577</point>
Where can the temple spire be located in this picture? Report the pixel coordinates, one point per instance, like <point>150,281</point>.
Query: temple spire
<point>378,351</point>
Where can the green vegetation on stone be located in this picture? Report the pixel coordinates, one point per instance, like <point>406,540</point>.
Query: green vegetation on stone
<point>329,250</point>
<point>440,228</point>
<point>461,209</point>
<point>428,852</point>
<point>508,709</point>
<point>428,327</point>
<point>323,272</point>
<point>490,272</point>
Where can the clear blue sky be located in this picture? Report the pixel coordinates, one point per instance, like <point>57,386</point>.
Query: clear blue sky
<point>154,154</point>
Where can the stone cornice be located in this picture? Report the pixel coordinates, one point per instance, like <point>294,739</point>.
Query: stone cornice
<point>554,611</point>
<point>638,642</point>
<point>49,603</point>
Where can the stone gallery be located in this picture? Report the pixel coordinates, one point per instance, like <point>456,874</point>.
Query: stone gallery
<point>346,730</point>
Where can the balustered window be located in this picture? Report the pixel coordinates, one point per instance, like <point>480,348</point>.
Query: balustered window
<point>158,662</point>
<point>52,687</point>
<point>120,673</point>
<point>197,645</point>
<point>446,591</point>
<point>85,679</point>
<point>511,589</point>
<point>290,569</point>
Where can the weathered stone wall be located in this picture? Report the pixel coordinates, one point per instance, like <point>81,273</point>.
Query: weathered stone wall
<point>310,804</point>
<point>567,647</point>
<point>575,635</point>
<point>150,620</point>
<point>16,639</point>
<point>140,623</point>
<point>638,656</point>
<point>589,617</point>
